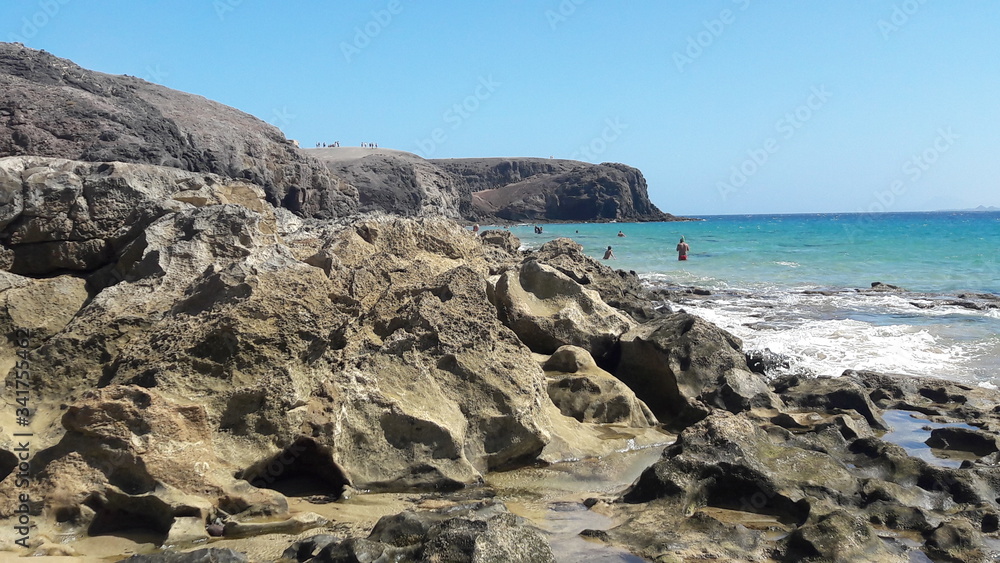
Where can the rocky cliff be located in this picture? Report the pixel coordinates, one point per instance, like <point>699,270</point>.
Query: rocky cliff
<point>52,107</point>
<point>395,182</point>
<point>553,190</point>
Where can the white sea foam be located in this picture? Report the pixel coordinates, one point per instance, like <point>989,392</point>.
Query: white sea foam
<point>827,334</point>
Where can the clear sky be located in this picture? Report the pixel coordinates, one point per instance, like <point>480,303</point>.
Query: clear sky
<point>727,106</point>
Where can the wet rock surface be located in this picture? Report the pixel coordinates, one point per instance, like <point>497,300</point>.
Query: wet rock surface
<point>481,532</point>
<point>817,483</point>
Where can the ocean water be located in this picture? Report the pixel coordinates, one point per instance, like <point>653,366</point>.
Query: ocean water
<point>790,284</point>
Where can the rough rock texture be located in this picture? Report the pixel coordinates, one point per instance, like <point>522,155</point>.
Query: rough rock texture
<point>212,555</point>
<point>727,461</point>
<point>478,533</point>
<point>129,459</point>
<point>622,290</point>
<point>553,190</point>
<point>589,394</point>
<point>227,348</point>
<point>52,107</point>
<point>547,309</point>
<point>70,216</point>
<point>394,181</point>
<point>813,482</point>
<point>682,366</point>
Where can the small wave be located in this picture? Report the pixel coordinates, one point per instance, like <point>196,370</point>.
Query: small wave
<point>827,334</point>
<point>789,264</point>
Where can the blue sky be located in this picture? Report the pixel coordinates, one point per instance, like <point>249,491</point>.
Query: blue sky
<point>727,106</point>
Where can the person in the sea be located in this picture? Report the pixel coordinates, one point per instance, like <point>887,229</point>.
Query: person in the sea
<point>609,255</point>
<point>682,250</point>
<point>475,228</point>
<point>621,234</point>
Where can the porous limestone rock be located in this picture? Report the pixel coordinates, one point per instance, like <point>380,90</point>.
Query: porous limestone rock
<point>547,309</point>
<point>361,353</point>
<point>618,288</point>
<point>64,215</point>
<point>589,394</point>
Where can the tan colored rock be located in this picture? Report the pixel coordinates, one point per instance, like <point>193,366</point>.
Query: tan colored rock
<point>547,309</point>
<point>69,215</point>
<point>587,393</point>
<point>43,306</point>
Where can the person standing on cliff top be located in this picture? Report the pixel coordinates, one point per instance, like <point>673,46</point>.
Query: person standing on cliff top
<point>682,250</point>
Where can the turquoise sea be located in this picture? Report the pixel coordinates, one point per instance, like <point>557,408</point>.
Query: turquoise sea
<point>790,284</point>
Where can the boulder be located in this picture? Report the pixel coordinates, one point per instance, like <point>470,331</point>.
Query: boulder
<point>957,540</point>
<point>79,216</point>
<point>501,238</point>
<point>963,439</point>
<point>727,462</point>
<point>622,290</point>
<point>482,532</point>
<point>829,393</point>
<point>547,309</point>
<point>682,366</point>
<point>839,537</point>
<point>589,394</point>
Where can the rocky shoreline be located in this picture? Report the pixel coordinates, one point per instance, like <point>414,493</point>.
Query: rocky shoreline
<point>232,364</point>
<point>212,351</point>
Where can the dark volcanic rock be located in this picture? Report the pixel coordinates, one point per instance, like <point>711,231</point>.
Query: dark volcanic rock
<point>682,366</point>
<point>52,107</point>
<point>838,536</point>
<point>484,532</point>
<point>963,439</point>
<point>394,181</point>
<point>213,555</point>
<point>553,190</point>
<point>830,393</point>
